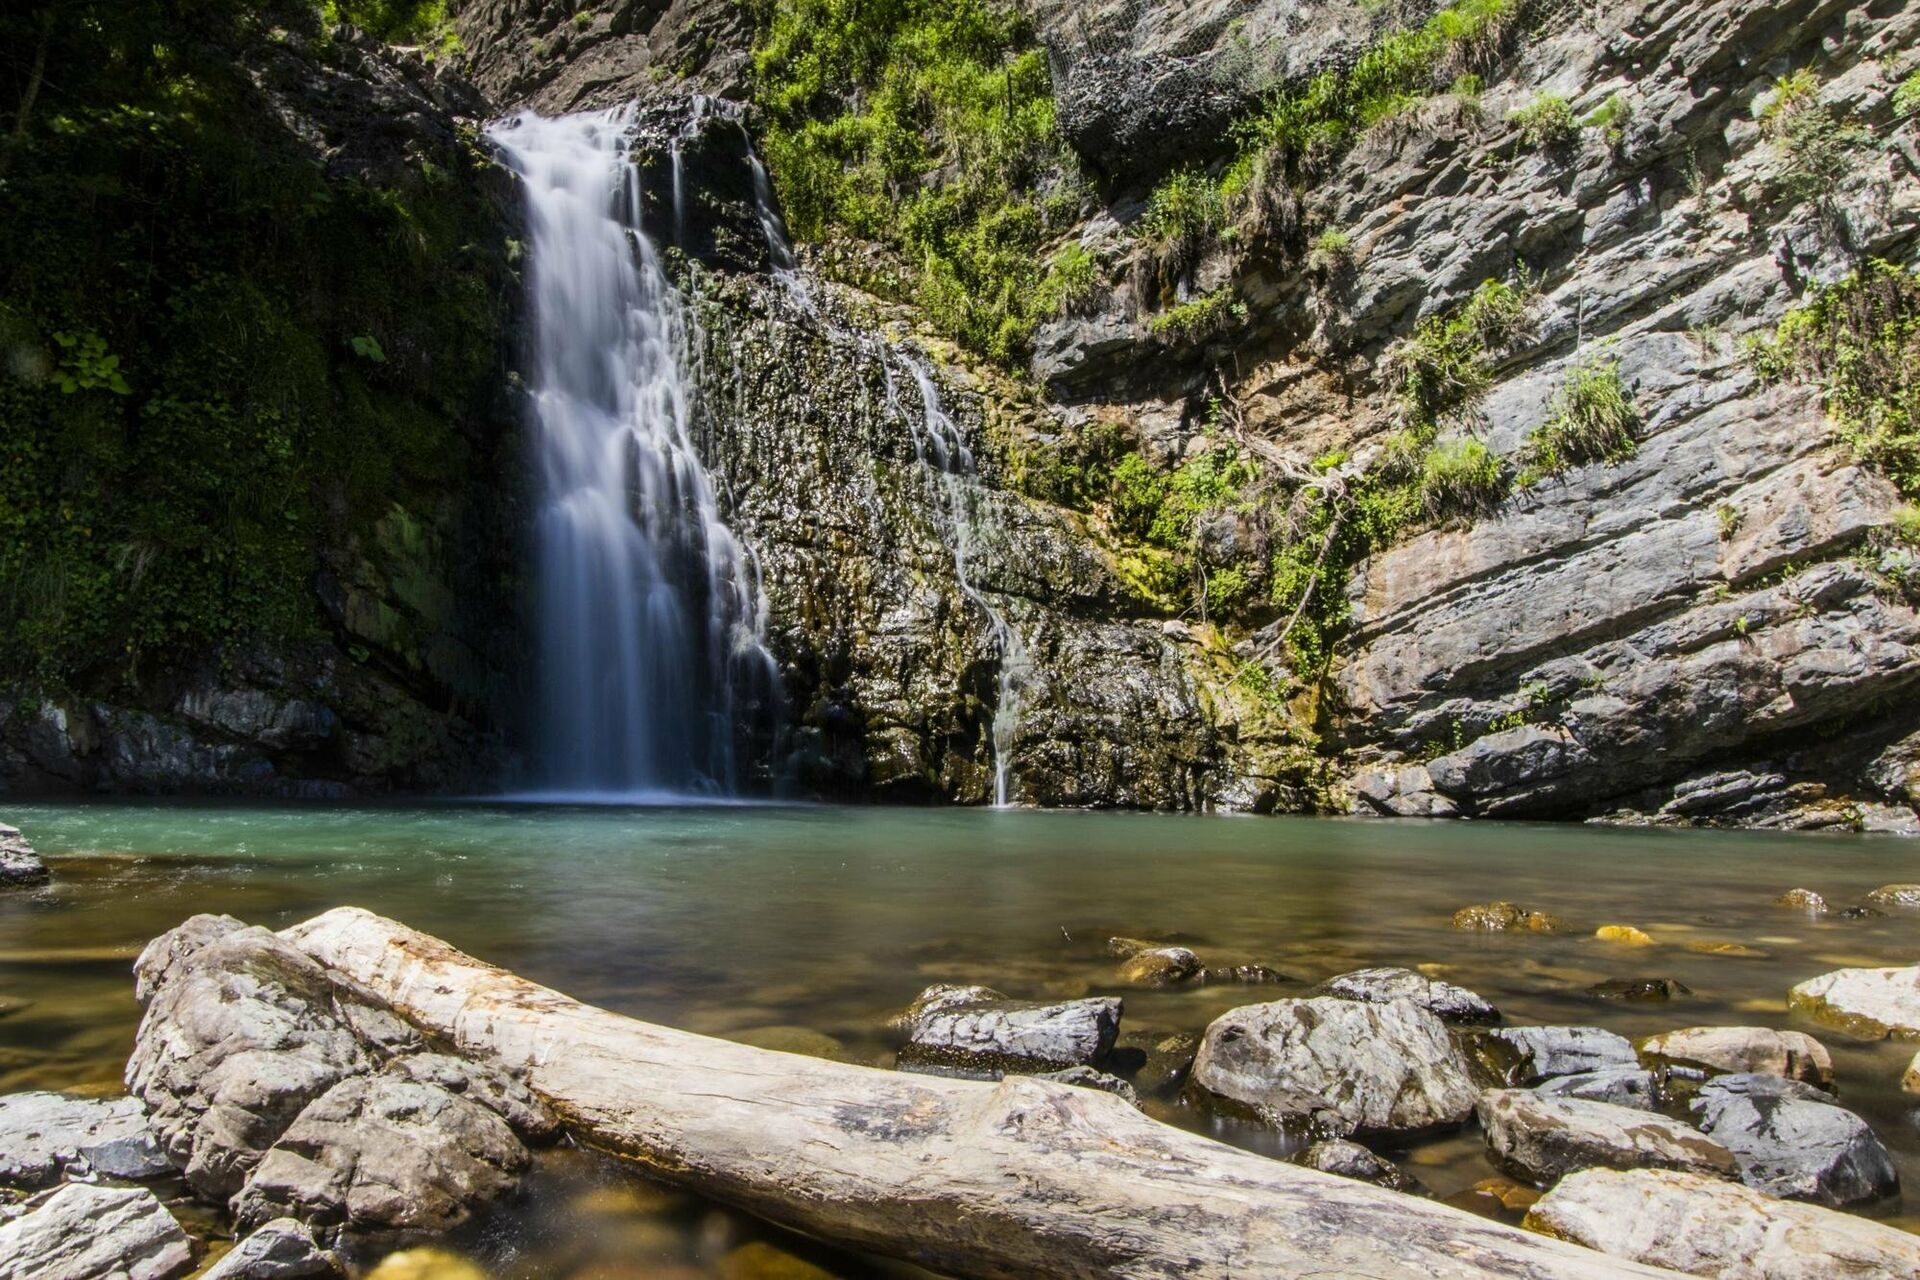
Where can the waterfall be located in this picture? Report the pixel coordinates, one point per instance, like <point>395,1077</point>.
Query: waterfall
<point>939,446</point>
<point>648,608</point>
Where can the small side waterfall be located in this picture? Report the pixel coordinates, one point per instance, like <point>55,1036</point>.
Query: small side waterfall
<point>939,446</point>
<point>648,608</point>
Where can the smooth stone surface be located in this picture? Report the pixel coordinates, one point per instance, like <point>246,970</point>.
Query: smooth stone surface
<point>1444,1000</point>
<point>1542,1138</point>
<point>1704,1226</point>
<point>283,1249</point>
<point>1792,1141</point>
<point>83,1232</point>
<point>1873,1004</point>
<point>20,866</point>
<point>1337,1067</point>
<point>1501,916</point>
<point>46,1136</point>
<point>1159,966</point>
<point>1620,1086</point>
<point>1624,934</point>
<point>1528,1055</point>
<point>978,1029</point>
<point>1762,1050</point>
<point>1351,1160</point>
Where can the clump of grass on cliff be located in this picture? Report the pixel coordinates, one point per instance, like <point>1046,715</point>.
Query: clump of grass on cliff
<point>925,127</point>
<point>1593,421</point>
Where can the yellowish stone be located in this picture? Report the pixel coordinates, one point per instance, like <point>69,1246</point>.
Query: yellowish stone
<point>425,1264</point>
<point>1624,934</point>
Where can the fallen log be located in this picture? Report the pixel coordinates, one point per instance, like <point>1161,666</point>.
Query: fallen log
<point>1022,1178</point>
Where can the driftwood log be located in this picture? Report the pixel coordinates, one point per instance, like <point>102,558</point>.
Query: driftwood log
<point>1022,1178</point>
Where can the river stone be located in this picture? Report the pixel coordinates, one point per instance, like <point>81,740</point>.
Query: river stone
<point>1337,1067</point>
<point>19,864</point>
<point>1895,895</point>
<point>1164,1060</point>
<point>1703,1226</point>
<point>938,997</point>
<point>1620,1086</point>
<point>1802,900</point>
<point>1159,966</point>
<point>1528,1055</point>
<point>1244,975</point>
<point>1793,1054</point>
<point>531,1119</point>
<point>1542,1138</point>
<point>1793,1142</point>
<point>1640,990</point>
<point>1873,1004</point>
<point>975,1029</point>
<point>1444,1000</point>
<point>47,1136</point>
<point>378,1153</point>
<point>1351,1160</point>
<point>1088,1078</point>
<point>1501,916</point>
<point>85,1232</point>
<point>283,1249</point>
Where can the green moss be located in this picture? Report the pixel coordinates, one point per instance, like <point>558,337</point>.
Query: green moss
<point>1593,421</point>
<point>1611,118</point>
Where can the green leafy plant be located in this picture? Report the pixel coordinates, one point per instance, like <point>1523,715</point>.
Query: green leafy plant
<point>87,365</point>
<point>1612,119</point>
<point>1447,363</point>
<point>1820,149</point>
<point>1906,95</point>
<point>1593,421</point>
<point>1204,317</point>
<point>1072,281</point>
<point>1545,122</point>
<point>1461,478</point>
<point>369,349</point>
<point>1330,253</point>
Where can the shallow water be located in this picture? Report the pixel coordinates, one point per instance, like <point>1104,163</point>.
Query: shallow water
<point>738,920</point>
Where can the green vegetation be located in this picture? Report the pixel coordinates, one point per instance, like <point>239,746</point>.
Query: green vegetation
<point>1073,281</point>
<point>1906,95</point>
<point>1448,362</point>
<point>1330,253</point>
<point>221,367</point>
<point>1461,478</point>
<point>1858,340</point>
<point>407,22</point>
<point>926,127</point>
<point>1204,317</point>
<point>1593,421</point>
<point>1819,147</point>
<point>1611,118</point>
<point>1547,121</point>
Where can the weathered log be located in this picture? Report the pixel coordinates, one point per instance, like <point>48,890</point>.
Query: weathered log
<point>1021,1178</point>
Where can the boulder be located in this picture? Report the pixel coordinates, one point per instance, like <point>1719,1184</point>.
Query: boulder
<point>1159,966</point>
<point>1541,1138</point>
<point>1792,1141</point>
<point>1443,1000</point>
<point>1502,916</point>
<point>1873,1004</point>
<point>1336,1067</point>
<point>1895,895</point>
<point>1703,1226</point>
<point>1639,989</point>
<point>1351,1160</point>
<point>977,1030</point>
<point>83,1232</point>
<point>1620,1086</point>
<point>47,1136</point>
<point>1792,1054</point>
<point>1528,1055</point>
<point>385,1153</point>
<point>283,1249</point>
<point>1802,900</point>
<point>19,864</point>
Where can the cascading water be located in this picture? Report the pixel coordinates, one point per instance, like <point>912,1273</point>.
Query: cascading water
<point>939,446</point>
<point>648,608</point>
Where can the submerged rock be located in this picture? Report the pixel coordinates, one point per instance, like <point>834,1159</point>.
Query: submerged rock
<point>1619,1086</point>
<point>1499,916</point>
<point>1792,1054</point>
<point>1351,1160</point>
<point>1873,1004</point>
<point>1802,900</point>
<point>1336,1067</point>
<point>283,1249</point>
<point>1895,895</point>
<point>48,1136</point>
<point>1245,975</point>
<point>82,1232</point>
<point>1442,999</point>
<point>1639,989</point>
<point>1528,1055</point>
<point>1793,1142</point>
<point>979,1030</point>
<point>1704,1226</point>
<point>1160,1062</point>
<point>1624,934</point>
<point>1542,1138</point>
<point>1159,966</point>
<point>19,864</point>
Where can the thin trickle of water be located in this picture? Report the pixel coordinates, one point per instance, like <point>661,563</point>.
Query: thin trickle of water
<point>940,447</point>
<point>648,608</point>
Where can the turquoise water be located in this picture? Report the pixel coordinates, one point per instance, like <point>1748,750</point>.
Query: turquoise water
<point>752,922</point>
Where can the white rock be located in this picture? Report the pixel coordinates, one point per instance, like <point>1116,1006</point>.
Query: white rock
<point>1873,1004</point>
<point>1541,1138</point>
<point>84,1232</point>
<point>1793,1054</point>
<point>1442,999</point>
<point>1706,1227</point>
<point>283,1249</point>
<point>47,1136</point>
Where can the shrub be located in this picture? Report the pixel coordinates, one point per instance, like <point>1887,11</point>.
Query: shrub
<point>1593,421</point>
<point>1547,121</point>
<point>1611,118</point>
<point>1205,317</point>
<point>1073,280</point>
<point>1447,363</point>
<point>1460,478</point>
<point>1184,215</point>
<point>1330,253</point>
<point>1818,147</point>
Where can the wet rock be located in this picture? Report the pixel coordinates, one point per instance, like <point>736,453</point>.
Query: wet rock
<point>973,1028</point>
<point>1738,950</point>
<point>1161,1062</point>
<point>1792,1141</point>
<point>1859,913</point>
<point>283,1249</point>
<point>1618,1086</point>
<point>384,1153</point>
<point>1444,1000</point>
<point>1336,1067</point>
<point>83,1232</point>
<point>1351,1160</point>
<point>1624,934</point>
<point>1639,989</point>
<point>1496,1198</point>
<point>1703,1226</point>
<point>1088,1078</point>
<point>48,1136</point>
<point>1159,966</point>
<point>1802,900</point>
<point>1528,1055</point>
<point>1502,916</point>
<point>759,1260</point>
<point>1873,1004</point>
<point>1542,1139</point>
<point>19,864</point>
<point>1244,975</point>
<point>1793,1054</point>
<point>1910,1079</point>
<point>938,998</point>
<point>1895,895</point>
